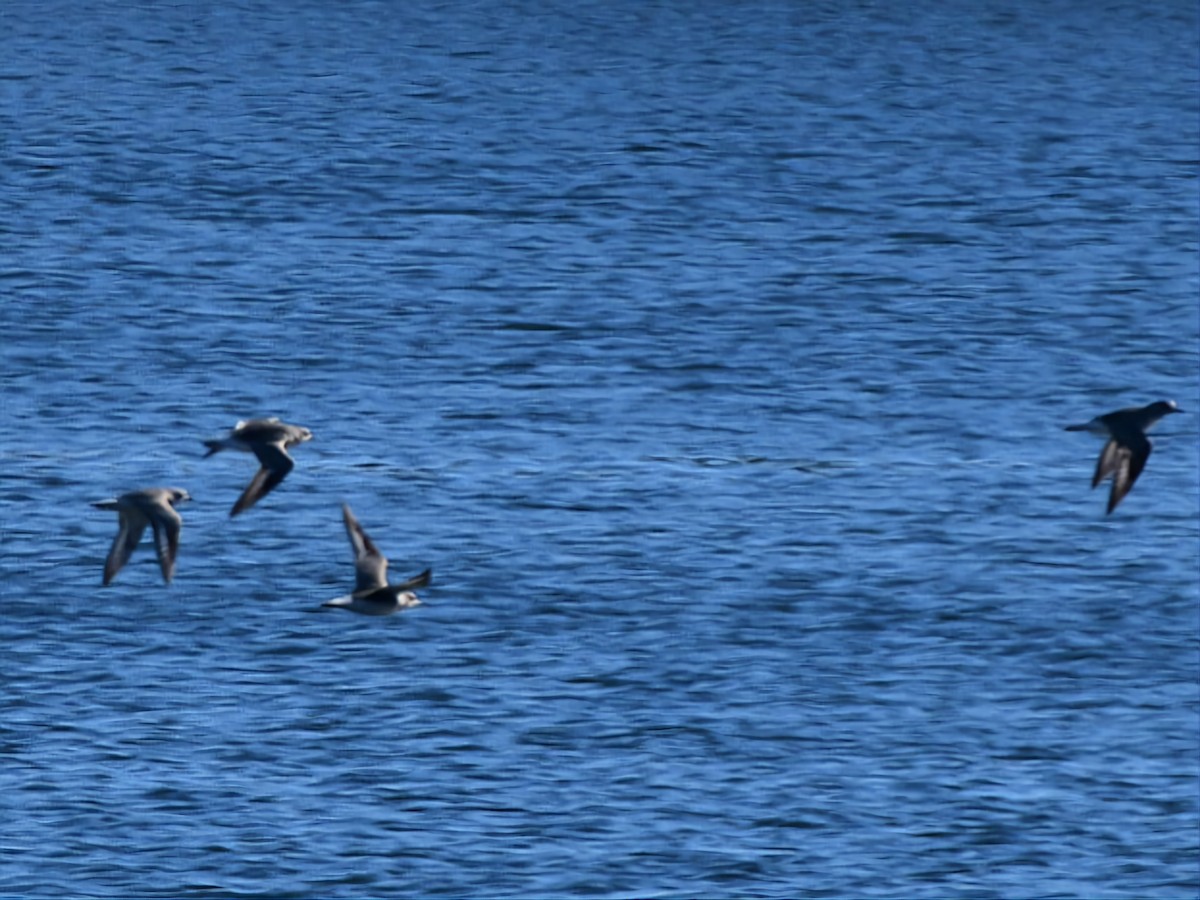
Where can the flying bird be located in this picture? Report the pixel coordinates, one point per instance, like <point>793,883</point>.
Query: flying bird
<point>1127,449</point>
<point>372,595</point>
<point>153,507</point>
<point>267,439</point>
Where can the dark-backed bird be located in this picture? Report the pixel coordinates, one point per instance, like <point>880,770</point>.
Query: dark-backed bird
<point>268,440</point>
<point>1127,448</point>
<point>372,595</point>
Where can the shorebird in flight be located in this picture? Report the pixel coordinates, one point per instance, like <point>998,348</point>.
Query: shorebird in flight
<point>153,507</point>
<point>267,439</point>
<point>372,595</point>
<point>1125,454</point>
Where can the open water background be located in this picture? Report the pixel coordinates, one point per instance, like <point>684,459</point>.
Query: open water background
<point>716,358</point>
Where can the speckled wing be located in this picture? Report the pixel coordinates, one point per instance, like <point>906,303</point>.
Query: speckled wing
<point>370,566</point>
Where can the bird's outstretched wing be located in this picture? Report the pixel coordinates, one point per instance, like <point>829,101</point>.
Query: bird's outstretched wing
<point>167,524</point>
<point>129,533</point>
<point>275,466</point>
<point>370,566</point>
<point>1129,459</point>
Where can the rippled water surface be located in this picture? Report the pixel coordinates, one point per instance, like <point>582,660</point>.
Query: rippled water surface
<point>716,358</point>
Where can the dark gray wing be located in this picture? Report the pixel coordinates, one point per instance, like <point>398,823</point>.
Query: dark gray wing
<point>370,566</point>
<point>1130,462</point>
<point>129,533</point>
<point>167,524</point>
<point>417,581</point>
<point>1110,460</point>
<point>275,466</point>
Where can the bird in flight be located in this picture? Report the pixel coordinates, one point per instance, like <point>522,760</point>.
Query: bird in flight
<point>372,595</point>
<point>1127,447</point>
<point>268,440</point>
<point>153,507</point>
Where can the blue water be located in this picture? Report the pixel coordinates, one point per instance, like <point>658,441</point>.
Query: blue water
<point>716,358</point>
